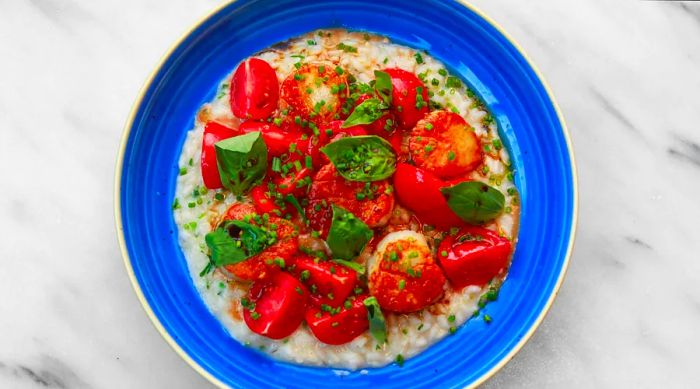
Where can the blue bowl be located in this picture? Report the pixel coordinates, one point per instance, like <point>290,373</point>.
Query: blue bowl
<point>473,47</point>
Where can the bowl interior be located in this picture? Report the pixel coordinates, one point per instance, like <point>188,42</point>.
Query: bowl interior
<point>450,31</point>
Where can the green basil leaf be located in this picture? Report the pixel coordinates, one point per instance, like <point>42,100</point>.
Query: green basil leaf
<point>367,112</point>
<point>383,86</point>
<point>362,158</point>
<point>351,264</point>
<point>348,235</point>
<point>224,250</point>
<point>377,324</point>
<point>242,161</point>
<point>474,202</point>
<point>235,241</point>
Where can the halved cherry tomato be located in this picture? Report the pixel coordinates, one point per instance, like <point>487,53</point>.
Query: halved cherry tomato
<point>294,183</point>
<point>445,145</point>
<point>213,132</point>
<point>263,265</point>
<point>276,306</point>
<point>262,200</point>
<point>405,105</point>
<point>328,187</point>
<point>341,327</point>
<point>276,139</point>
<point>404,276</point>
<point>419,191</point>
<point>330,283</point>
<point>254,90</point>
<point>315,92</point>
<point>474,256</point>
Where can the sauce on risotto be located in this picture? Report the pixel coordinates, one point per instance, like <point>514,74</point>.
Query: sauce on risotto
<point>344,201</point>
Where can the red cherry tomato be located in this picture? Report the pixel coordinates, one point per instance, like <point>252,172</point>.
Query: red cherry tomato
<point>339,328</point>
<point>276,306</point>
<point>254,90</point>
<point>294,183</point>
<point>404,97</point>
<point>276,139</point>
<point>330,283</point>
<point>474,256</point>
<point>262,265</point>
<point>213,132</point>
<point>419,191</point>
<point>262,200</point>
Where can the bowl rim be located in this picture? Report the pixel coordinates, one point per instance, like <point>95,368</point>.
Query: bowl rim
<point>126,132</point>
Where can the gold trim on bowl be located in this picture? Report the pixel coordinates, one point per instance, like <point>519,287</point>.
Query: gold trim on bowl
<point>137,288</point>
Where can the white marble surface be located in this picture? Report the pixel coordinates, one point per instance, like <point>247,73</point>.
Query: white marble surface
<point>627,77</point>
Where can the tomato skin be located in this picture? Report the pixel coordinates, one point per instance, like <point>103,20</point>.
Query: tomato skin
<point>474,262</point>
<point>276,139</point>
<point>404,94</point>
<point>262,201</point>
<point>288,185</point>
<point>419,191</point>
<point>350,323</point>
<point>254,90</point>
<point>328,278</point>
<point>280,303</point>
<point>261,266</point>
<point>213,132</point>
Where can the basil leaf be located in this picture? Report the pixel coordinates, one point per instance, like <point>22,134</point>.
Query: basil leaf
<point>383,86</point>
<point>367,112</point>
<point>348,235</point>
<point>362,158</point>
<point>474,202</point>
<point>223,249</point>
<point>377,324</point>
<point>350,264</point>
<point>242,161</point>
<point>235,241</point>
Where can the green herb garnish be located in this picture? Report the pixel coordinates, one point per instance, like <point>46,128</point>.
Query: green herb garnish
<point>377,324</point>
<point>473,201</point>
<point>362,158</point>
<point>242,161</point>
<point>348,235</point>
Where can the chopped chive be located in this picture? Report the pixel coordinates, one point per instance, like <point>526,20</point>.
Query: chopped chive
<point>419,58</point>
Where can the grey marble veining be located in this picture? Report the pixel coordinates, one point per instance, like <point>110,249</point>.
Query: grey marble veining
<point>626,75</point>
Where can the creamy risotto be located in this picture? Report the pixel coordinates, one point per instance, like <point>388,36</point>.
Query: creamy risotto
<point>344,201</point>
